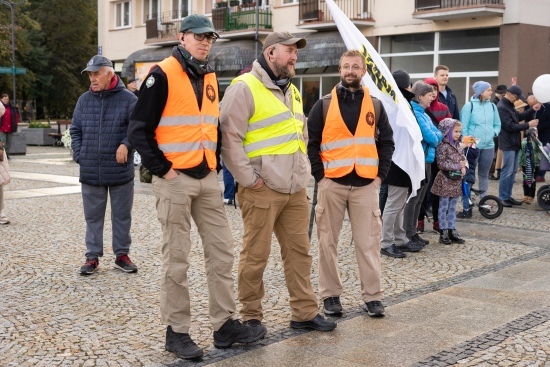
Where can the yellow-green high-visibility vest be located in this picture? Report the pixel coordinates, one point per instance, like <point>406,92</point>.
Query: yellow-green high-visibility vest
<point>273,129</point>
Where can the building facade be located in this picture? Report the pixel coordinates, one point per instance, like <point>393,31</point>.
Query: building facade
<point>499,41</point>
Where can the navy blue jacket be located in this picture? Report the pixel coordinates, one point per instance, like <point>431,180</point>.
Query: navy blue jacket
<point>100,125</point>
<point>450,102</point>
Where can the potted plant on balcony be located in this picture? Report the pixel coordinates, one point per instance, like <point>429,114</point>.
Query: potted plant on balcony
<point>221,4</point>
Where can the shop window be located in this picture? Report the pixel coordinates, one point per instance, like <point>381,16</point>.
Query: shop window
<point>469,39</point>
<point>478,61</point>
<point>311,87</point>
<point>420,42</point>
<point>411,64</point>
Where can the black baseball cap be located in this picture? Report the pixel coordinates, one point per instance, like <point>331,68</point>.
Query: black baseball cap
<point>515,89</point>
<point>96,63</point>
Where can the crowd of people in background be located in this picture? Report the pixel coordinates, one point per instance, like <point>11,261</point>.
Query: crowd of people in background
<point>487,139</point>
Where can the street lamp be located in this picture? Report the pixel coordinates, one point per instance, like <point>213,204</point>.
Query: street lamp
<point>12,5</point>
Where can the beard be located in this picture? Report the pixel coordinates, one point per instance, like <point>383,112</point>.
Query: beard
<point>284,71</point>
<point>354,84</point>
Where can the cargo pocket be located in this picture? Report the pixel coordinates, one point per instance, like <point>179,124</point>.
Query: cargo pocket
<point>172,201</point>
<point>376,223</point>
<point>179,209</point>
<point>320,219</point>
<point>260,212</point>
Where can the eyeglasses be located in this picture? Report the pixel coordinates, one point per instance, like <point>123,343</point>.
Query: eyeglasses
<point>351,67</point>
<point>211,38</point>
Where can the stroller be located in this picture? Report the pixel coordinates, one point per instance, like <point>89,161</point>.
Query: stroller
<point>543,193</point>
<point>490,206</point>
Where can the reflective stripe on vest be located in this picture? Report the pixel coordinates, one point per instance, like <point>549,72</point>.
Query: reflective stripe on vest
<point>186,134</point>
<point>273,129</point>
<point>342,152</point>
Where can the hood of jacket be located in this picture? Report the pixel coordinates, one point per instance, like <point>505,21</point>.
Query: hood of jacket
<point>445,126</point>
<point>433,83</point>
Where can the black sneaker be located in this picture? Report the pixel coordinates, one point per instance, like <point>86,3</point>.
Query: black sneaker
<point>317,323</point>
<point>332,306</point>
<point>374,309</point>
<point>233,331</point>
<point>89,267</point>
<point>182,345</point>
<point>124,263</point>
<point>392,251</point>
<point>419,240</point>
<point>257,327</point>
<point>410,246</point>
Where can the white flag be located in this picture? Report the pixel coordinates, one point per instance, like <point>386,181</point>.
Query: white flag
<point>408,154</point>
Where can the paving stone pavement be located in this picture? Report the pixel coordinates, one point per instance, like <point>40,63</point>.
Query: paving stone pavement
<point>52,316</point>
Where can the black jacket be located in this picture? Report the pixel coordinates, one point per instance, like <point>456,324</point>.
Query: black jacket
<point>544,123</point>
<point>350,106</point>
<point>450,102</point>
<point>510,132</point>
<point>146,117</point>
<point>396,176</point>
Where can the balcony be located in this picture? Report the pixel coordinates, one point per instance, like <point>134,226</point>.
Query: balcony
<point>314,14</point>
<point>239,22</point>
<point>162,29</point>
<point>453,9</point>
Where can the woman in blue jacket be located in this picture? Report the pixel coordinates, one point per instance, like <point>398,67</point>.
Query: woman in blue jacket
<point>431,137</point>
<point>480,120</point>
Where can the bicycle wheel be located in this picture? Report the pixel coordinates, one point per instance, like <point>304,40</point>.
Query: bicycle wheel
<point>543,197</point>
<point>490,207</point>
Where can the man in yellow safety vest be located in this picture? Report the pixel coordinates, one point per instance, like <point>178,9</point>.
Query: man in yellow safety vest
<point>264,138</point>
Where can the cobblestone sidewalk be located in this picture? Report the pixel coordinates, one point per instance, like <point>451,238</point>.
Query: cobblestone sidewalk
<point>52,316</point>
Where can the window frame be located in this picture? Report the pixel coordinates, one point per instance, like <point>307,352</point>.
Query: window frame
<point>120,14</point>
<point>148,10</point>
<point>176,12</point>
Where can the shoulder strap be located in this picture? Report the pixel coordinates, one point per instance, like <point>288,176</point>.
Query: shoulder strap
<point>377,105</point>
<point>326,103</point>
<point>376,102</point>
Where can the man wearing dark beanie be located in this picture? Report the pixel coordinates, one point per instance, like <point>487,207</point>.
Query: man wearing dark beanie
<point>402,79</point>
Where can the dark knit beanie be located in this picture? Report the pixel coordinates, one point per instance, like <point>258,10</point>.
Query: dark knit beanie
<point>402,79</point>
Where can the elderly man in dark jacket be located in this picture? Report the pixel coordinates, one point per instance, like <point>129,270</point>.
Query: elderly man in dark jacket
<point>100,146</point>
<point>509,140</point>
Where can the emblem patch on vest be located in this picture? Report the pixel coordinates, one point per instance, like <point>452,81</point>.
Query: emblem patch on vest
<point>297,95</point>
<point>210,93</point>
<point>150,81</point>
<point>370,118</point>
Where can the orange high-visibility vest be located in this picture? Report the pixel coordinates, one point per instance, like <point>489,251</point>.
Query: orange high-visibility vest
<point>341,152</point>
<point>186,133</point>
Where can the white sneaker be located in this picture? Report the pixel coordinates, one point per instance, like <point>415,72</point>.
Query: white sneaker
<point>228,201</point>
<point>4,219</point>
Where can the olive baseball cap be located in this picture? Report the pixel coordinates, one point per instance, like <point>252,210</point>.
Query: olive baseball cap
<point>284,38</point>
<point>96,63</point>
<point>198,24</point>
